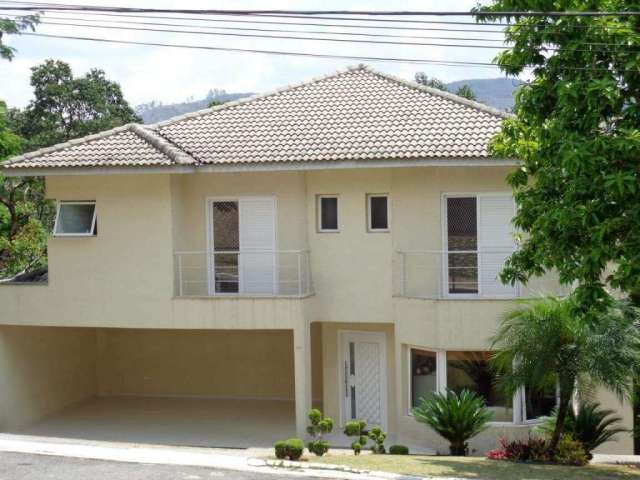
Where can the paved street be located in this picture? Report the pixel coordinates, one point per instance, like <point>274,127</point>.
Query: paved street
<point>18,466</point>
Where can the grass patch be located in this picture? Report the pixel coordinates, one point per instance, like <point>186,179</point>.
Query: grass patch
<point>479,468</point>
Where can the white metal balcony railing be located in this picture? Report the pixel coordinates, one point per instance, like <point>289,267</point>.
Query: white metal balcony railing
<point>285,273</point>
<point>434,274</point>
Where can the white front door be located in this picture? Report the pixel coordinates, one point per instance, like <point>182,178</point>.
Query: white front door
<point>364,377</point>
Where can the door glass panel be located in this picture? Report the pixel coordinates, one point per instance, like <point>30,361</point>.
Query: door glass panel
<point>352,358</point>
<point>462,244</point>
<point>226,245</point>
<point>353,402</point>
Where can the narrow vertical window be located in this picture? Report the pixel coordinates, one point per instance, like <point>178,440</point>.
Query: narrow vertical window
<point>462,245</point>
<point>378,213</point>
<point>423,375</point>
<point>328,213</point>
<point>226,246</point>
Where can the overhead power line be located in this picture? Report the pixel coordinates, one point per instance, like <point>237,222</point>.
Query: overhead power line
<point>298,54</point>
<point>274,30</point>
<point>282,37</point>
<point>51,7</point>
<point>389,13</point>
<point>294,37</point>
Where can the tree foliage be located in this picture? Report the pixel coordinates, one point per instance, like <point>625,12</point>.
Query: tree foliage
<point>22,209</point>
<point>543,344</point>
<point>464,91</point>
<point>432,82</point>
<point>467,92</point>
<point>67,107</point>
<point>576,132</point>
<point>64,108</point>
<point>9,27</point>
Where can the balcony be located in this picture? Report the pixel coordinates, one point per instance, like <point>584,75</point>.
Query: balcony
<point>256,273</point>
<point>463,274</point>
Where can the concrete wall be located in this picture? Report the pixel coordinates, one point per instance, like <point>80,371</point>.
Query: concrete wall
<point>199,363</point>
<point>43,370</point>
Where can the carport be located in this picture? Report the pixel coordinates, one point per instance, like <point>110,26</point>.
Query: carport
<point>220,388</point>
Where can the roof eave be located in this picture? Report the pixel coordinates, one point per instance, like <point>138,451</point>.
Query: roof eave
<point>262,166</point>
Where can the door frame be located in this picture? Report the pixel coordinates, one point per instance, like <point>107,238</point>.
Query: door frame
<point>381,337</point>
<point>210,248</point>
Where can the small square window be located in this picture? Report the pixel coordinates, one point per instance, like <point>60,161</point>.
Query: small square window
<point>328,213</point>
<point>75,219</point>
<point>378,213</point>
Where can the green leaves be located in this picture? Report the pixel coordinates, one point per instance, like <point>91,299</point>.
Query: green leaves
<point>576,133</point>
<point>455,417</point>
<point>8,26</point>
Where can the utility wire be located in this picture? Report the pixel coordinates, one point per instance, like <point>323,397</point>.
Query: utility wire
<point>276,30</point>
<point>390,13</point>
<point>284,37</point>
<point>305,54</point>
<point>289,37</point>
<point>522,25</point>
<point>273,30</point>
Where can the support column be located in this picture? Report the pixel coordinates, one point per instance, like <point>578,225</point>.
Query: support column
<point>302,368</point>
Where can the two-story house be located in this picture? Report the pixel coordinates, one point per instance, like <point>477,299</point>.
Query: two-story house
<point>334,243</point>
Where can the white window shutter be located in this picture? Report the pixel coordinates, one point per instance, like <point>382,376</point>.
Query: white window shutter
<point>495,242</point>
<point>257,246</point>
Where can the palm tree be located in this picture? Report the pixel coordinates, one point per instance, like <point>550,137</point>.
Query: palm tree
<point>547,342</point>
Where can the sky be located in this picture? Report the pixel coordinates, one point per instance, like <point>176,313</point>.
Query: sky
<point>174,75</point>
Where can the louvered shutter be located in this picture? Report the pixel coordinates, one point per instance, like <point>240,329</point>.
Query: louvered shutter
<point>257,246</point>
<point>495,242</point>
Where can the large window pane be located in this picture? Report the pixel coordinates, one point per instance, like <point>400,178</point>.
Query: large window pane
<point>75,219</point>
<point>471,371</point>
<point>226,240</point>
<point>462,238</point>
<point>423,375</point>
<point>539,403</point>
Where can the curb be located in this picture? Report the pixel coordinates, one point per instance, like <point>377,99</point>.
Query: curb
<point>322,467</point>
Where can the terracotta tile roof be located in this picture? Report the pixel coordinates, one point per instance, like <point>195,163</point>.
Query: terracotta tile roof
<point>129,145</point>
<point>356,114</point>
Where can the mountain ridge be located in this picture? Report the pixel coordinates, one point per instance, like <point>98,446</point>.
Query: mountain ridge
<point>495,92</point>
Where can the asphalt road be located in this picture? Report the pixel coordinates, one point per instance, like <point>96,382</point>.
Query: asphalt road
<point>18,466</point>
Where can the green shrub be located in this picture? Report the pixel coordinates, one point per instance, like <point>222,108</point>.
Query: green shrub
<point>570,452</point>
<point>320,425</point>
<point>289,449</point>
<point>318,447</point>
<point>378,436</point>
<point>592,426</point>
<point>398,450</point>
<point>356,428</point>
<point>455,417</point>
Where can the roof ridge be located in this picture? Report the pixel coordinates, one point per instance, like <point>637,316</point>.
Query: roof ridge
<point>67,144</point>
<point>160,143</point>
<point>259,96</point>
<point>442,93</point>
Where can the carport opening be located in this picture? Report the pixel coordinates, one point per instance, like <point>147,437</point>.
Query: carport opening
<point>217,388</point>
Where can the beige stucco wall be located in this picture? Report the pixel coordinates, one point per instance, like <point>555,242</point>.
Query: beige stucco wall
<point>199,363</point>
<point>124,277</point>
<point>43,370</point>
